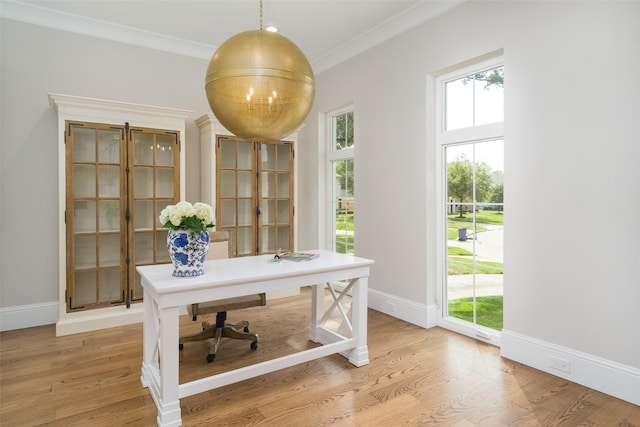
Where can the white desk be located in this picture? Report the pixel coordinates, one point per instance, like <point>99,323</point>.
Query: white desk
<point>226,278</point>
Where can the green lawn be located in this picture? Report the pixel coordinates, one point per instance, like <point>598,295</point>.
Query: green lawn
<point>482,217</point>
<point>344,222</point>
<point>488,310</point>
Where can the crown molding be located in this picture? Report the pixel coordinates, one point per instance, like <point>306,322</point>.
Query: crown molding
<point>392,27</point>
<point>50,18</point>
<point>45,17</point>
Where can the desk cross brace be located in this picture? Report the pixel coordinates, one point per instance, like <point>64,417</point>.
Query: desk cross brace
<point>336,304</point>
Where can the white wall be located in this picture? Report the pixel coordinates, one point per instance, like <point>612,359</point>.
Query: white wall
<point>572,173</point>
<point>572,100</point>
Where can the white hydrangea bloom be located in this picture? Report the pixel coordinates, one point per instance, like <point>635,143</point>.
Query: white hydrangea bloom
<point>203,212</point>
<point>184,213</point>
<point>164,214</point>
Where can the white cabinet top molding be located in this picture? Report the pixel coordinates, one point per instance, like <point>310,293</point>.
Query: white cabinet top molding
<point>104,111</point>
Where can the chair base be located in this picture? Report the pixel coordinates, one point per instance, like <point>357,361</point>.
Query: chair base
<point>215,333</point>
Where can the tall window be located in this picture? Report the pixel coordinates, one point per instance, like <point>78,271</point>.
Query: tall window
<point>341,176</point>
<point>472,206</point>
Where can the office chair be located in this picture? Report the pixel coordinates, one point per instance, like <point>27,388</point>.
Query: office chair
<point>221,247</point>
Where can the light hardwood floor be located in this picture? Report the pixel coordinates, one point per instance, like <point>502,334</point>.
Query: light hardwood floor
<point>416,377</point>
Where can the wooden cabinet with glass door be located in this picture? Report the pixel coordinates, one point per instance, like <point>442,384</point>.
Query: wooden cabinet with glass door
<point>117,181</point>
<point>254,195</point>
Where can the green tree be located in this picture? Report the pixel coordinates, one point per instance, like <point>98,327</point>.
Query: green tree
<point>494,77</point>
<point>497,195</point>
<point>461,178</point>
<point>343,128</point>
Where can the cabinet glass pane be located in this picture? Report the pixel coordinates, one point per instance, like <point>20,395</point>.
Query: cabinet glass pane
<point>228,154</point>
<point>283,157</point>
<point>162,253</point>
<point>228,184</point>
<point>143,215</point>
<point>84,145</point>
<point>245,154</point>
<point>108,146</point>
<point>283,211</point>
<point>268,159</point>
<point>143,243</point>
<point>84,216</point>
<point>268,240</point>
<point>244,242</point>
<point>164,149</point>
<point>143,181</point>
<point>245,212</point>
<point>109,215</point>
<point>108,181</point>
<point>84,287</point>
<point>164,182</point>
<point>109,288</point>
<point>143,148</point>
<point>244,183</point>
<point>227,213</point>
<point>84,248</point>
<point>268,211</point>
<point>109,250</point>
<point>283,184</point>
<point>268,184</point>
<point>84,181</point>
<point>283,239</point>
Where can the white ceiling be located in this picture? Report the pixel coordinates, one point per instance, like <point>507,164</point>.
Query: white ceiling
<point>327,31</point>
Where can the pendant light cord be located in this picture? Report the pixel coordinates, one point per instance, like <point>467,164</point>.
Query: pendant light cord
<point>260,14</point>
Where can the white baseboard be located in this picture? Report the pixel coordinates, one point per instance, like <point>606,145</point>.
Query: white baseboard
<point>600,374</point>
<point>28,316</point>
<point>31,315</point>
<point>422,315</point>
<point>101,318</point>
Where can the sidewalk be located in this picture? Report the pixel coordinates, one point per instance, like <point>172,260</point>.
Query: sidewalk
<point>461,286</point>
<point>488,247</point>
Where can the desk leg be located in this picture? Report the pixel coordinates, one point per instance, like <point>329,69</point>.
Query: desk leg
<point>317,311</point>
<point>149,339</point>
<point>360,354</point>
<point>160,368</point>
<point>169,407</point>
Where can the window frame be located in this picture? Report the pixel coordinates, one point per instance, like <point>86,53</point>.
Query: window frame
<point>445,138</point>
<point>331,157</point>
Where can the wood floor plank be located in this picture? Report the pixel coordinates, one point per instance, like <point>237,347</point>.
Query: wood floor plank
<point>417,377</point>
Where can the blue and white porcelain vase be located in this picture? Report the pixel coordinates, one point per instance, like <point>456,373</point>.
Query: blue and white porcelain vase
<point>188,251</point>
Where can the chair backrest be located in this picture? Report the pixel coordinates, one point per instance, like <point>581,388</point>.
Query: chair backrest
<point>219,245</point>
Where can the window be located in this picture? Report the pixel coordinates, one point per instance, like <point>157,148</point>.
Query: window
<point>341,181</point>
<point>471,174</point>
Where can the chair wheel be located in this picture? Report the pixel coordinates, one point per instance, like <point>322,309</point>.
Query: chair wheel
<point>180,346</point>
<point>254,345</point>
<point>210,357</point>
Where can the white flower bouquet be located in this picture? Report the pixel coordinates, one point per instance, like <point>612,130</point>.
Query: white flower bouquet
<point>197,217</point>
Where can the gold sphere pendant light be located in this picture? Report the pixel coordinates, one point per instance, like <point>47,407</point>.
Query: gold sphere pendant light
<point>260,85</point>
